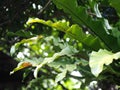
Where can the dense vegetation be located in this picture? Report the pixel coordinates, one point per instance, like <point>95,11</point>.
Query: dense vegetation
<point>63,44</point>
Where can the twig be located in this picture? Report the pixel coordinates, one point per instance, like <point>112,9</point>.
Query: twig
<point>41,10</point>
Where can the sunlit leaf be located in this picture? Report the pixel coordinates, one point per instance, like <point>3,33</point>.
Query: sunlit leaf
<point>73,31</point>
<point>101,58</point>
<point>20,66</point>
<point>60,25</point>
<point>60,76</point>
<point>16,46</point>
<point>66,51</point>
<point>71,67</point>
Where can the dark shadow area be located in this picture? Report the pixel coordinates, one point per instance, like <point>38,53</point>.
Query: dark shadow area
<point>11,82</point>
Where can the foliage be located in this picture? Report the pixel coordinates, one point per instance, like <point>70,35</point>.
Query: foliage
<point>98,59</point>
<point>72,50</point>
<point>115,4</point>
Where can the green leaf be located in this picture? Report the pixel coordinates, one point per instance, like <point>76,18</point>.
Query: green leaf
<point>116,33</point>
<point>101,58</point>
<point>115,4</point>
<point>16,46</point>
<point>31,20</point>
<point>66,51</point>
<point>81,17</point>
<point>76,32</point>
<point>60,25</point>
<point>73,31</point>
<point>12,50</point>
<point>21,33</point>
<point>87,39</point>
<point>71,67</point>
<point>27,63</point>
<point>60,76</point>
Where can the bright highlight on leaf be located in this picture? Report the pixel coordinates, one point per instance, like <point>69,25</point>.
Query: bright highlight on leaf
<point>101,58</point>
<point>60,25</point>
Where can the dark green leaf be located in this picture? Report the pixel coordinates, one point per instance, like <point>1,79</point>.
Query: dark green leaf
<point>80,16</point>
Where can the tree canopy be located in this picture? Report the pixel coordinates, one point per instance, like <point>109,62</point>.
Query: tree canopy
<point>63,44</point>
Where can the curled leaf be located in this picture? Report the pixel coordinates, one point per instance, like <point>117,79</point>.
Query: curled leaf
<point>20,66</point>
